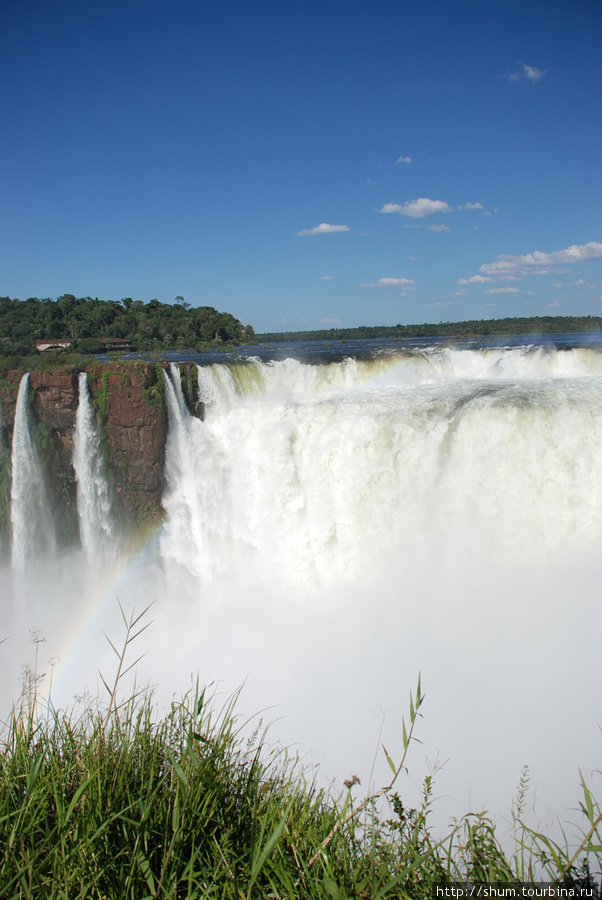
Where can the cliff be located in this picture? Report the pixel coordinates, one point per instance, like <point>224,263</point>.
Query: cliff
<point>129,401</point>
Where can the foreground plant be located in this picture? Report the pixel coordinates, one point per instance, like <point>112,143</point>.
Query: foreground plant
<point>107,803</point>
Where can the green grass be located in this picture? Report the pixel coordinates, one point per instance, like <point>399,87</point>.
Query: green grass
<point>111,802</point>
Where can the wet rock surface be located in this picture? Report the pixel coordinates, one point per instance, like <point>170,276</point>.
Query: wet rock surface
<point>129,402</point>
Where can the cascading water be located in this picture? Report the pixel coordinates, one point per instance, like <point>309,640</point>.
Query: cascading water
<point>323,475</point>
<point>93,500</point>
<point>31,519</point>
<point>197,519</point>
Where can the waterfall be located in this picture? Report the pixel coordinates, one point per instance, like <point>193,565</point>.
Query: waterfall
<point>31,519</point>
<point>93,500</point>
<point>326,474</point>
<point>197,521</point>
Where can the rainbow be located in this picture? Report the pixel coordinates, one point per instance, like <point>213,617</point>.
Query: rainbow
<point>85,621</point>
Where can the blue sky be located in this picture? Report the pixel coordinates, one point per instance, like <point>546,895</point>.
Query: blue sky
<point>304,165</point>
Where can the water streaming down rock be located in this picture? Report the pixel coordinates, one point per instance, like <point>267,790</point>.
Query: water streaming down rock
<point>197,520</point>
<point>33,532</point>
<point>323,475</point>
<point>93,499</point>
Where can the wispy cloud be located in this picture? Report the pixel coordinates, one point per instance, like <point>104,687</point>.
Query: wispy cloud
<point>330,321</point>
<point>472,206</point>
<point>538,262</point>
<point>526,73</point>
<point>390,282</point>
<point>417,209</point>
<point>438,228</point>
<point>404,159</point>
<point>327,278</point>
<point>475,279</point>
<point>581,282</point>
<point>323,228</point>
<point>506,290</point>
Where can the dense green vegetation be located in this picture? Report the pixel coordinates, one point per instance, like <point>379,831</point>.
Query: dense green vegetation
<point>111,802</point>
<point>84,320</point>
<point>473,328</point>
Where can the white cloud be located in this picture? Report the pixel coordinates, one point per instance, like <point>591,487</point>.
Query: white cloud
<point>581,282</point>
<point>330,321</point>
<point>526,73</point>
<point>327,278</point>
<point>323,228</point>
<point>542,263</point>
<point>472,206</point>
<point>413,258</point>
<point>506,290</point>
<point>417,209</point>
<point>438,228</point>
<point>547,270</point>
<point>404,159</point>
<point>390,282</point>
<point>475,279</point>
<point>532,73</point>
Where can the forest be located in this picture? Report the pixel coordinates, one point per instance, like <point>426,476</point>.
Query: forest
<point>86,322</point>
<point>471,328</point>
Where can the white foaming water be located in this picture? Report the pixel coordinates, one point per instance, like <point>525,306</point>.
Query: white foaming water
<point>323,475</point>
<point>93,500</point>
<point>31,519</point>
<point>333,530</point>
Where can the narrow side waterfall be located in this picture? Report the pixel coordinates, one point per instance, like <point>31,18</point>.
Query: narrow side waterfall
<point>31,519</point>
<point>197,520</point>
<point>93,500</point>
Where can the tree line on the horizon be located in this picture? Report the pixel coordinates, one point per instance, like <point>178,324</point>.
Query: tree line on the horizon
<point>470,328</point>
<point>156,326</point>
<point>86,321</point>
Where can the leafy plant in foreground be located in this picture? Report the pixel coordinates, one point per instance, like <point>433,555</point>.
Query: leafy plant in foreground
<point>111,802</point>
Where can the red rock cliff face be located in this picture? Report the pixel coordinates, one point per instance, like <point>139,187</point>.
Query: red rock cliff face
<point>129,401</point>
<point>135,425</point>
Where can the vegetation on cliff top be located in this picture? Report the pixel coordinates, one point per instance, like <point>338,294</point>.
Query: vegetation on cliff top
<point>84,320</point>
<point>470,328</point>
